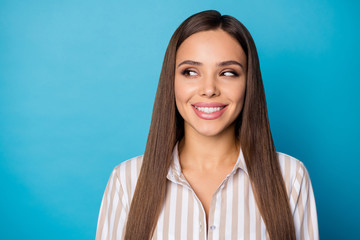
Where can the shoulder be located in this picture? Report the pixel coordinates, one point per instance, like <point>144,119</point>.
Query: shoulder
<point>127,174</point>
<point>129,167</point>
<point>292,169</point>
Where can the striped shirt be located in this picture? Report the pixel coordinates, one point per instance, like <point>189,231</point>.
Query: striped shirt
<point>233,212</point>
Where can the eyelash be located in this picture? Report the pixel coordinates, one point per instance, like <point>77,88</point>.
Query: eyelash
<point>186,72</point>
<point>235,74</point>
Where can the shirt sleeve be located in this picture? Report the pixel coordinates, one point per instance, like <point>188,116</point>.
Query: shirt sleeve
<point>302,201</point>
<point>113,211</point>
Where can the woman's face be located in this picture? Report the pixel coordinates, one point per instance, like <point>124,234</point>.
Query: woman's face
<point>210,81</point>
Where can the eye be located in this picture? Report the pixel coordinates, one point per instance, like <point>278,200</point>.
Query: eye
<point>189,73</point>
<point>230,74</point>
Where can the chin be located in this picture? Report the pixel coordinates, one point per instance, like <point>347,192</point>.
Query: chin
<point>209,132</point>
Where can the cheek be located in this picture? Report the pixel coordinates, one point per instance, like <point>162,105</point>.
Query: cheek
<point>238,98</point>
<point>236,92</point>
<point>183,91</point>
<point>178,92</point>
<point>241,100</point>
<point>180,96</point>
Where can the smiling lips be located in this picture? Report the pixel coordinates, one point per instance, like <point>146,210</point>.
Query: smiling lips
<point>209,111</point>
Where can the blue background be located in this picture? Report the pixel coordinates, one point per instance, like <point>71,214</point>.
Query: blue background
<point>78,81</point>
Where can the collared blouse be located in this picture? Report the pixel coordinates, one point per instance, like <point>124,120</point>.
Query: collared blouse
<point>233,212</point>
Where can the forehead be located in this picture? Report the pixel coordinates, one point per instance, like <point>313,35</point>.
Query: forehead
<point>209,46</point>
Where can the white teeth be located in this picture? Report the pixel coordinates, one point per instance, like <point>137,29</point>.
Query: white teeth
<point>209,109</point>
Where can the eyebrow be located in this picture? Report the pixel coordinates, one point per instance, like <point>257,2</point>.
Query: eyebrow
<point>221,64</point>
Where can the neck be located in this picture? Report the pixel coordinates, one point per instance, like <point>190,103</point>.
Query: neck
<point>208,152</point>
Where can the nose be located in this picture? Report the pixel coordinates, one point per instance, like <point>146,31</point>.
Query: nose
<point>209,87</point>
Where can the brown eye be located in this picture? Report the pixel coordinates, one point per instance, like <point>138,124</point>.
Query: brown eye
<point>230,74</point>
<point>189,73</point>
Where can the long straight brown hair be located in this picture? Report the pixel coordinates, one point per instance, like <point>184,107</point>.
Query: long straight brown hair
<point>252,128</point>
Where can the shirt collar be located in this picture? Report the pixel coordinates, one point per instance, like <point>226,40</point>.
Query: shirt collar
<point>175,173</point>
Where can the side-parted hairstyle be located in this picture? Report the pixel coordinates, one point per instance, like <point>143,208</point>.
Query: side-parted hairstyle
<point>252,128</point>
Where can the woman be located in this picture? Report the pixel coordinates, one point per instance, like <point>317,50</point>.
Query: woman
<point>210,169</point>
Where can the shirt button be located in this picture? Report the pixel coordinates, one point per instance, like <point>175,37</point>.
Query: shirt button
<point>212,227</point>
